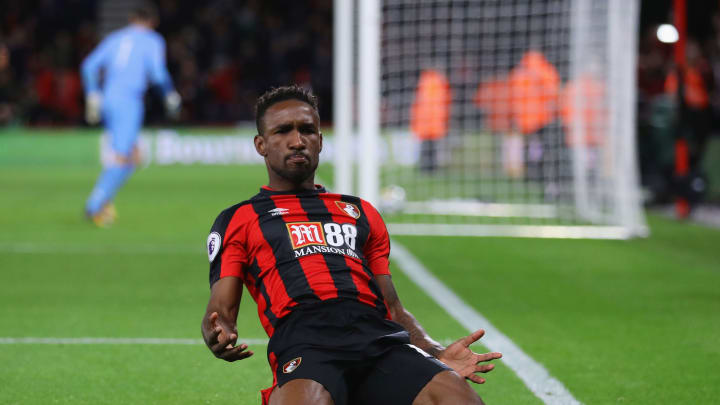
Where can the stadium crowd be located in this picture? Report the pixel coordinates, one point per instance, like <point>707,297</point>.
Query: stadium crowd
<point>221,54</point>
<point>677,101</point>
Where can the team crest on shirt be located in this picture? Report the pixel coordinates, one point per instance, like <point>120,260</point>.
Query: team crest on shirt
<point>291,365</point>
<point>213,245</point>
<point>349,209</point>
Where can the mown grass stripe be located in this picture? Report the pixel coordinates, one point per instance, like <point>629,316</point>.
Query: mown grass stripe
<point>550,390</point>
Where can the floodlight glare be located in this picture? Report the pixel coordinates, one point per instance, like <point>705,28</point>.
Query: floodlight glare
<point>667,34</point>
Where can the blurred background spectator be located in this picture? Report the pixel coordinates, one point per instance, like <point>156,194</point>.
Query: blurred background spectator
<point>221,54</point>
<point>677,101</point>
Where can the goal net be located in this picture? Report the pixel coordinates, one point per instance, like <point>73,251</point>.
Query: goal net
<point>505,117</point>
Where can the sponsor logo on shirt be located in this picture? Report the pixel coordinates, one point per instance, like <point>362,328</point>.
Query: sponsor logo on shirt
<point>305,234</point>
<point>309,250</point>
<point>309,238</point>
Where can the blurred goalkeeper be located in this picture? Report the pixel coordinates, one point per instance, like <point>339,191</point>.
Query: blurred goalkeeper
<point>130,58</point>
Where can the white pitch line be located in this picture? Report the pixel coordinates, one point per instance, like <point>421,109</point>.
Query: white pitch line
<point>48,248</point>
<point>550,390</point>
<point>115,341</point>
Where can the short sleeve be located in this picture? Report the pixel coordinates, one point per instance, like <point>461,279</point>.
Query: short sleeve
<point>377,247</point>
<point>226,250</point>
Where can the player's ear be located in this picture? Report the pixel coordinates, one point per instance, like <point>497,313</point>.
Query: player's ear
<point>260,145</point>
<point>321,138</point>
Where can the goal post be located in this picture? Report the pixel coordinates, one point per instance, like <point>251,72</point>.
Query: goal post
<point>342,100</point>
<point>497,117</point>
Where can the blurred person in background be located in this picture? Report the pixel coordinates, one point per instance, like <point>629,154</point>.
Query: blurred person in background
<point>210,44</point>
<point>6,84</point>
<point>534,90</point>
<point>690,86</point>
<point>129,58</point>
<point>429,116</point>
<point>493,98</point>
<point>656,117</point>
<point>584,114</point>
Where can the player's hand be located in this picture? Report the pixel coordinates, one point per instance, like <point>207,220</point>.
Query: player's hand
<point>172,104</point>
<point>222,342</point>
<point>93,103</point>
<point>464,361</point>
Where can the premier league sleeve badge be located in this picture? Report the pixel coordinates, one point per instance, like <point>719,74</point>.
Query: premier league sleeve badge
<point>213,245</point>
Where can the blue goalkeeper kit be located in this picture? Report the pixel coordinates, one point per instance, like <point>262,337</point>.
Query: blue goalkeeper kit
<point>130,59</point>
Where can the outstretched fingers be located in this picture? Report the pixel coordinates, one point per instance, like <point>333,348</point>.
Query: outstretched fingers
<point>236,353</point>
<point>212,337</point>
<point>484,368</point>
<point>223,344</point>
<point>473,337</point>
<point>213,318</point>
<point>487,356</point>
<point>476,379</point>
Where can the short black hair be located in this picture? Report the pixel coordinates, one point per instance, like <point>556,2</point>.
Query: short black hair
<point>145,11</point>
<point>278,94</point>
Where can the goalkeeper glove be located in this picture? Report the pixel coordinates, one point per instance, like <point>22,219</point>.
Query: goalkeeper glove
<point>93,102</point>
<point>172,104</point>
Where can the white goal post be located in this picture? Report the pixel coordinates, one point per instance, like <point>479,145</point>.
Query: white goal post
<point>490,117</point>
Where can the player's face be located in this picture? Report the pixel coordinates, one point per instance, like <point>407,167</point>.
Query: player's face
<point>291,143</point>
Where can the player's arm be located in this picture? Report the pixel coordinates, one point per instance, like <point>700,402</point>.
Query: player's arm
<point>160,77</point>
<point>92,64</point>
<point>377,252</point>
<point>399,314</point>
<point>458,355</point>
<point>90,70</point>
<point>227,258</point>
<point>219,325</point>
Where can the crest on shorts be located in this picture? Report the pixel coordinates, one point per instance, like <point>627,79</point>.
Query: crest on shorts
<point>291,365</point>
<point>349,209</point>
<point>213,245</point>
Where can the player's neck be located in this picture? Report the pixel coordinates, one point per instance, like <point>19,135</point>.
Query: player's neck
<point>141,25</point>
<point>281,184</point>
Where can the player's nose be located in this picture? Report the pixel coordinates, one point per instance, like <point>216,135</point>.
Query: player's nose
<point>296,141</point>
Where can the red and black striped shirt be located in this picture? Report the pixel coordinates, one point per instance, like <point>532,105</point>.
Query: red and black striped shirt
<point>295,248</point>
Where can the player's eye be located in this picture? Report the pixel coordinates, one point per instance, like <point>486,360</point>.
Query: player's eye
<point>308,129</point>
<point>283,129</point>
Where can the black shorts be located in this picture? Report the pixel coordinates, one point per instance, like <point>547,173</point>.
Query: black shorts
<point>356,354</point>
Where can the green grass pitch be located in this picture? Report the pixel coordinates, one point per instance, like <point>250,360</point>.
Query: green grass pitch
<point>629,322</point>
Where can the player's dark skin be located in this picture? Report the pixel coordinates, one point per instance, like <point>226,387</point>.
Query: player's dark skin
<point>291,143</point>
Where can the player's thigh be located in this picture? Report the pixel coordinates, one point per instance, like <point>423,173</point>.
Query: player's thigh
<point>123,120</point>
<point>447,388</point>
<point>324,370</point>
<point>301,392</point>
<point>397,377</point>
